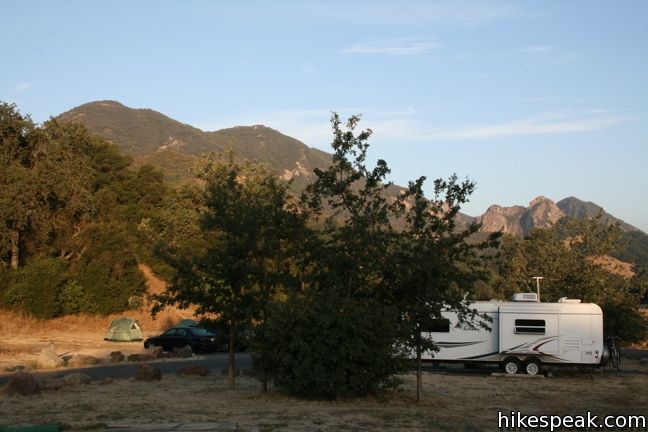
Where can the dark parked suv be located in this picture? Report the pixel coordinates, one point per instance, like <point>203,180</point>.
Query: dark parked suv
<point>197,338</point>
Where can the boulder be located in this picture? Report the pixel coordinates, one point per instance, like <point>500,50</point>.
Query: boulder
<point>194,370</point>
<point>154,351</point>
<point>51,384</point>
<point>21,383</point>
<point>14,368</point>
<point>76,379</point>
<point>140,357</point>
<point>146,372</point>
<point>116,357</point>
<point>184,352</point>
<point>49,359</point>
<point>81,360</point>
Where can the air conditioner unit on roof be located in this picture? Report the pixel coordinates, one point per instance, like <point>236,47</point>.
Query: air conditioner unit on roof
<point>525,297</point>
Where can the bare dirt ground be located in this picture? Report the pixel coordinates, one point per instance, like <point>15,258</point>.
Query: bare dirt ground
<point>452,402</point>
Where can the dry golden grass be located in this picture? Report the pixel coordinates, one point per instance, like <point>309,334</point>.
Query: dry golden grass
<point>614,266</point>
<point>452,402</point>
<point>23,336</point>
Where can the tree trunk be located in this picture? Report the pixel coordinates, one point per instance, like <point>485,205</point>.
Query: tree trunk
<point>419,378</point>
<point>264,382</point>
<point>15,249</point>
<point>232,359</point>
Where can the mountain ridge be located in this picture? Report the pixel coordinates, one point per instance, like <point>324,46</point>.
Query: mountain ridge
<point>178,148</point>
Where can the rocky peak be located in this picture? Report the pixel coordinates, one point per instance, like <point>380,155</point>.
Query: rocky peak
<point>506,219</point>
<point>541,213</point>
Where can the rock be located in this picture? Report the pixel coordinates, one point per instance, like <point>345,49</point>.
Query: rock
<point>76,379</point>
<point>502,218</point>
<point>184,352</point>
<point>21,383</point>
<point>51,384</point>
<point>541,213</point>
<point>549,374</point>
<point>194,370</point>
<point>82,360</point>
<point>106,381</point>
<point>140,357</point>
<point>49,359</point>
<point>154,351</point>
<point>225,371</point>
<point>116,357</point>
<point>146,372</point>
<point>14,368</point>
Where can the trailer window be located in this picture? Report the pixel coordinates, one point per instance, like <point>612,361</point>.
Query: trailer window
<point>439,325</point>
<point>529,326</point>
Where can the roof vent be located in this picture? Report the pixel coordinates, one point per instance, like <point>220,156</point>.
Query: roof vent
<point>568,300</point>
<point>525,297</point>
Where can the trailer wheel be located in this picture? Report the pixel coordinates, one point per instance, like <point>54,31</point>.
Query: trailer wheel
<point>512,365</point>
<point>532,366</point>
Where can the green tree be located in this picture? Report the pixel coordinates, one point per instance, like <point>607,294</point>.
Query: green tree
<point>339,329</point>
<point>246,223</point>
<point>349,201</point>
<point>66,195</point>
<point>438,265</point>
<point>22,192</point>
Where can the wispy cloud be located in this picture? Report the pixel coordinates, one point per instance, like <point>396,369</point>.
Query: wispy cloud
<point>22,87</point>
<point>406,124</point>
<point>393,47</point>
<point>560,122</point>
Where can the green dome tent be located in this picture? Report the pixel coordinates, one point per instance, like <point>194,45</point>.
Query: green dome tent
<point>124,329</point>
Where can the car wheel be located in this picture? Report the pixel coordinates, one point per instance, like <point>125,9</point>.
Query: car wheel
<point>511,365</point>
<point>532,366</point>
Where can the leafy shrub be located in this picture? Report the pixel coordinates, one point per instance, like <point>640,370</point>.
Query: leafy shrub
<point>35,287</point>
<point>625,321</point>
<point>327,347</point>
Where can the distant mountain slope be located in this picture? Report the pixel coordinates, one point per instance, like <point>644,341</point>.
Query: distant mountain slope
<point>292,159</point>
<point>151,137</point>
<point>139,132</point>
<point>579,209</point>
<point>177,149</point>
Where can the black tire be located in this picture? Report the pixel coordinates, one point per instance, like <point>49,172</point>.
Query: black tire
<point>532,366</point>
<point>511,365</point>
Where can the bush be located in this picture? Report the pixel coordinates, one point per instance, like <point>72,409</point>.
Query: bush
<point>625,321</point>
<point>326,347</point>
<point>108,289</point>
<point>35,288</point>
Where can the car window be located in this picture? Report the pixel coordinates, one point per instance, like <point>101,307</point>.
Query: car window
<point>200,332</point>
<point>170,332</point>
<point>181,332</point>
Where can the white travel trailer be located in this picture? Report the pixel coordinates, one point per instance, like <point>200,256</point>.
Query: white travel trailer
<point>524,335</point>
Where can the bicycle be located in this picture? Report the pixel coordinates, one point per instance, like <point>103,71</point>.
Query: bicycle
<point>615,355</point>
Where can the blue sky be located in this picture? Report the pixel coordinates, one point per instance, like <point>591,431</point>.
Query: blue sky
<point>526,98</point>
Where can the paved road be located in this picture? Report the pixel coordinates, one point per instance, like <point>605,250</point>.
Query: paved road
<point>214,362</point>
